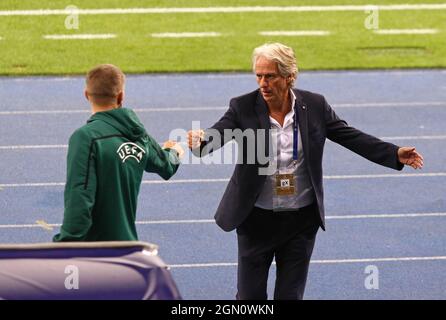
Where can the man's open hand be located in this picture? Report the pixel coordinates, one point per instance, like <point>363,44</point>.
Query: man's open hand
<point>410,157</point>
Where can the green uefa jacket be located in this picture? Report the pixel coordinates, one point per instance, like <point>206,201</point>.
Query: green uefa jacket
<point>105,163</point>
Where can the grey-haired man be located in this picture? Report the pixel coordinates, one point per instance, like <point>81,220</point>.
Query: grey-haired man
<point>277,215</point>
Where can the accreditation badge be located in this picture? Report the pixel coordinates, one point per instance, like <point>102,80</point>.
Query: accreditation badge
<point>285,185</point>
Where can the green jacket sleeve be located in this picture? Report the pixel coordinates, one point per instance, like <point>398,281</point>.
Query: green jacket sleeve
<point>164,162</point>
<point>80,189</point>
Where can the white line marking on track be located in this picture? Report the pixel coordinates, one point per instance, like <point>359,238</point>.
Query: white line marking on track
<point>65,146</point>
<point>43,146</point>
<point>43,184</point>
<point>297,33</point>
<point>184,181</point>
<point>78,36</point>
<point>334,261</point>
<point>14,226</point>
<point>379,176</point>
<point>405,31</point>
<point>38,224</point>
<point>395,259</point>
<point>40,79</point>
<point>242,75</point>
<point>439,137</point>
<point>389,104</point>
<point>396,7</point>
<point>181,181</point>
<point>43,224</point>
<point>384,216</point>
<point>186,109</point>
<point>205,221</point>
<point>176,221</point>
<point>204,265</point>
<point>332,217</point>
<point>31,112</point>
<point>186,35</point>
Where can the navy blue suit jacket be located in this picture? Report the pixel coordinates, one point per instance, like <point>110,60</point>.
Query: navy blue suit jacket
<point>317,122</point>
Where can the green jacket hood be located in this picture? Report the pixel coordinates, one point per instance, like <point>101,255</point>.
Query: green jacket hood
<point>124,120</point>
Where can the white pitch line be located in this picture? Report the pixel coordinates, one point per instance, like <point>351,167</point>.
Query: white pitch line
<point>47,12</point>
<point>333,261</point>
<point>405,31</point>
<point>186,109</point>
<point>297,33</point>
<point>78,36</point>
<point>205,221</point>
<point>186,35</point>
<point>183,181</point>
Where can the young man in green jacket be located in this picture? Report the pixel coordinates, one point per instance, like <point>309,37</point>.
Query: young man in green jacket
<point>105,163</point>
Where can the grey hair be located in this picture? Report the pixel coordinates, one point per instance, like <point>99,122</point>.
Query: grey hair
<point>282,55</point>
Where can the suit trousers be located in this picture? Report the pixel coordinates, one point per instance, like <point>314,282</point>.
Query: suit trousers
<point>288,237</point>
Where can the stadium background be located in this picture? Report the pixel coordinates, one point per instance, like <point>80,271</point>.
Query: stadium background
<point>394,221</point>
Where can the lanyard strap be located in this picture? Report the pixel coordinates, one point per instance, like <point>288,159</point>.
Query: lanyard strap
<point>295,133</point>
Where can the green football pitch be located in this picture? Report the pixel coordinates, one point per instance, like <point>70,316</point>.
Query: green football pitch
<point>217,35</point>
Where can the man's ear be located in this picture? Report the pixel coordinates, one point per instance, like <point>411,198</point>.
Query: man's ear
<point>86,94</point>
<point>120,98</point>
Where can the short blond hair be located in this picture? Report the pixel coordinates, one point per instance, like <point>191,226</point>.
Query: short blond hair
<point>282,55</point>
<point>104,83</point>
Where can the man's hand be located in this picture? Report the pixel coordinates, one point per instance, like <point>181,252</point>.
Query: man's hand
<point>175,146</point>
<point>194,138</point>
<point>410,157</point>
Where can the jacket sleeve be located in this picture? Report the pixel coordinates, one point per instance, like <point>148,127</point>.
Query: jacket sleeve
<point>80,189</point>
<point>164,162</point>
<point>367,146</point>
<point>215,137</point>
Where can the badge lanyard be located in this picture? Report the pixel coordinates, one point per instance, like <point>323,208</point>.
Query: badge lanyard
<point>285,184</point>
<point>295,134</point>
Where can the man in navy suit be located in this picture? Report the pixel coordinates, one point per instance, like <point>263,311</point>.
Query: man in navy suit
<point>277,206</point>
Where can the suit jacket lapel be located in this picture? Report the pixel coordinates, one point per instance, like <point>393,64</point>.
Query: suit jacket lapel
<point>302,113</point>
<point>263,115</point>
